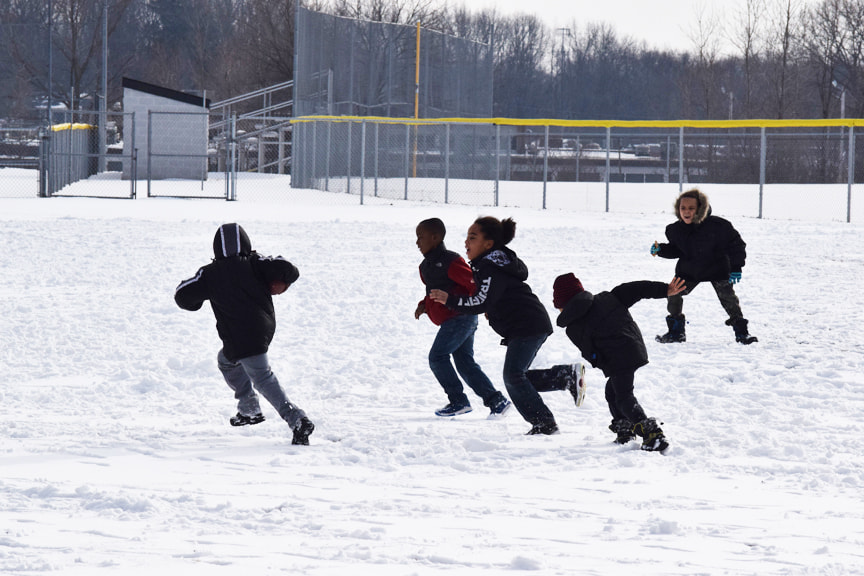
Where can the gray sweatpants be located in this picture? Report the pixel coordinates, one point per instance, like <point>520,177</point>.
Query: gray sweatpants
<point>725,292</point>
<point>255,370</point>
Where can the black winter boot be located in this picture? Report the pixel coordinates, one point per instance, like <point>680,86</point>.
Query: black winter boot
<point>624,429</point>
<point>653,439</point>
<point>742,336</point>
<point>676,330</point>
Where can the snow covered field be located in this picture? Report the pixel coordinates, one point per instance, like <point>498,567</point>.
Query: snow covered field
<point>116,456</point>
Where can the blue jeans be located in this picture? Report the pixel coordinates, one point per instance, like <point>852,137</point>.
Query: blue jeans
<point>456,338</point>
<point>520,353</point>
<point>255,370</point>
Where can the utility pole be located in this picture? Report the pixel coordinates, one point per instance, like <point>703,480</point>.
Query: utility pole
<point>565,32</point>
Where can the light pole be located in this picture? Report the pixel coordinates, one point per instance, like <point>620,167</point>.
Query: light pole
<point>565,32</point>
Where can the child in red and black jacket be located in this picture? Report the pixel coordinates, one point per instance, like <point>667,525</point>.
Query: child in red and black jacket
<point>513,311</point>
<point>444,269</point>
<point>239,284</point>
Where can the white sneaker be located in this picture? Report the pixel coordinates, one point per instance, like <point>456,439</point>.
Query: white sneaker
<point>577,384</point>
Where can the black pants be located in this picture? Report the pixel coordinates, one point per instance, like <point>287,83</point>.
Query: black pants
<point>619,396</point>
<point>725,292</point>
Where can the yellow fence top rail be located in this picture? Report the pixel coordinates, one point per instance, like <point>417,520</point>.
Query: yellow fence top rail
<point>754,123</point>
<point>68,126</point>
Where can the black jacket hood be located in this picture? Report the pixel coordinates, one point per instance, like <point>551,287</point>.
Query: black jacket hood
<point>576,308</point>
<point>505,259</point>
<point>231,240</point>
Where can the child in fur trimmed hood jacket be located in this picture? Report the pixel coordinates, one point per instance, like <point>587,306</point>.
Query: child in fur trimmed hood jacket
<point>601,326</point>
<point>708,249</point>
<point>240,284</point>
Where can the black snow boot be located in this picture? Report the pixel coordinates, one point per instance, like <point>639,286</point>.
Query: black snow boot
<point>624,430</point>
<point>742,336</point>
<point>676,330</point>
<point>304,428</point>
<point>653,439</point>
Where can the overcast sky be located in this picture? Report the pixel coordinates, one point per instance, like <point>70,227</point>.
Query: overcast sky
<point>665,24</point>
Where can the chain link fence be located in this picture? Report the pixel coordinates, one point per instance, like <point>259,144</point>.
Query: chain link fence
<point>579,165</point>
<point>435,162</point>
<point>19,161</point>
<point>345,66</point>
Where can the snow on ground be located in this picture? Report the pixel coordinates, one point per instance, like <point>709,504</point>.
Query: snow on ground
<point>117,457</point>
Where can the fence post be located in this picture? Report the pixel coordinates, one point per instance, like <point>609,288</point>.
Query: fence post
<point>362,159</point>
<point>545,162</point>
<point>44,143</point>
<point>149,140</point>
<point>377,130</point>
<point>447,163</point>
<point>232,164</point>
<point>497,160</point>
<point>407,157</point>
<point>608,164</point>
<point>578,155</point>
<point>348,165</point>
<point>763,155</point>
<point>327,158</point>
<point>851,174</point>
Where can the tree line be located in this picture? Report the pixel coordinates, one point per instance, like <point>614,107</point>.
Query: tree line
<point>790,58</point>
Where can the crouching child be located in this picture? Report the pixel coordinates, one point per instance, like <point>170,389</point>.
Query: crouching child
<point>601,326</point>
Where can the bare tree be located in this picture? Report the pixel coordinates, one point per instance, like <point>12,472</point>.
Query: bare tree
<point>783,37</point>
<point>747,37</point>
<point>823,40</point>
<point>705,35</point>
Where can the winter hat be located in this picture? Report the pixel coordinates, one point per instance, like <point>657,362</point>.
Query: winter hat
<point>565,287</point>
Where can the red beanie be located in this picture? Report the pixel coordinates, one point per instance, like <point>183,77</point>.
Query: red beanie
<point>565,287</point>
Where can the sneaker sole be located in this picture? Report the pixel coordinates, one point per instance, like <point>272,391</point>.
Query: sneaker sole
<point>246,420</point>
<point>579,396</point>
<point>459,412</point>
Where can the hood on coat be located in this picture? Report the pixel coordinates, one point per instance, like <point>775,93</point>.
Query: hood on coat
<point>702,212</point>
<point>509,263</point>
<point>231,240</point>
<point>576,308</point>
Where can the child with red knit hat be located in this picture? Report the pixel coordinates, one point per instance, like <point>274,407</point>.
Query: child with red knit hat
<point>601,326</point>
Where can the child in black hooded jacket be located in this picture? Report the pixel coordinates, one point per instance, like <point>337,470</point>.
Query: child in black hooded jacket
<point>601,326</point>
<point>239,284</point>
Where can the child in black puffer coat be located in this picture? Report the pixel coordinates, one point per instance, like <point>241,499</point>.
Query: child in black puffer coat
<point>239,284</point>
<point>708,249</point>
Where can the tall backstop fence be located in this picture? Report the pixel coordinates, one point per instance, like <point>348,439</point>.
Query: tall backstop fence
<point>472,161</point>
<point>345,66</point>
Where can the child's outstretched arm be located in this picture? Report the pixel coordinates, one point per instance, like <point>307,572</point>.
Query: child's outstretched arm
<point>665,250</point>
<point>630,293</point>
<point>676,286</point>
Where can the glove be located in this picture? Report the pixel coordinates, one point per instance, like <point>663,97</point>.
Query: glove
<point>734,277</point>
<point>655,249</point>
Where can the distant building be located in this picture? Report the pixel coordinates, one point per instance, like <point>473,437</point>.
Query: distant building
<point>170,132</point>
